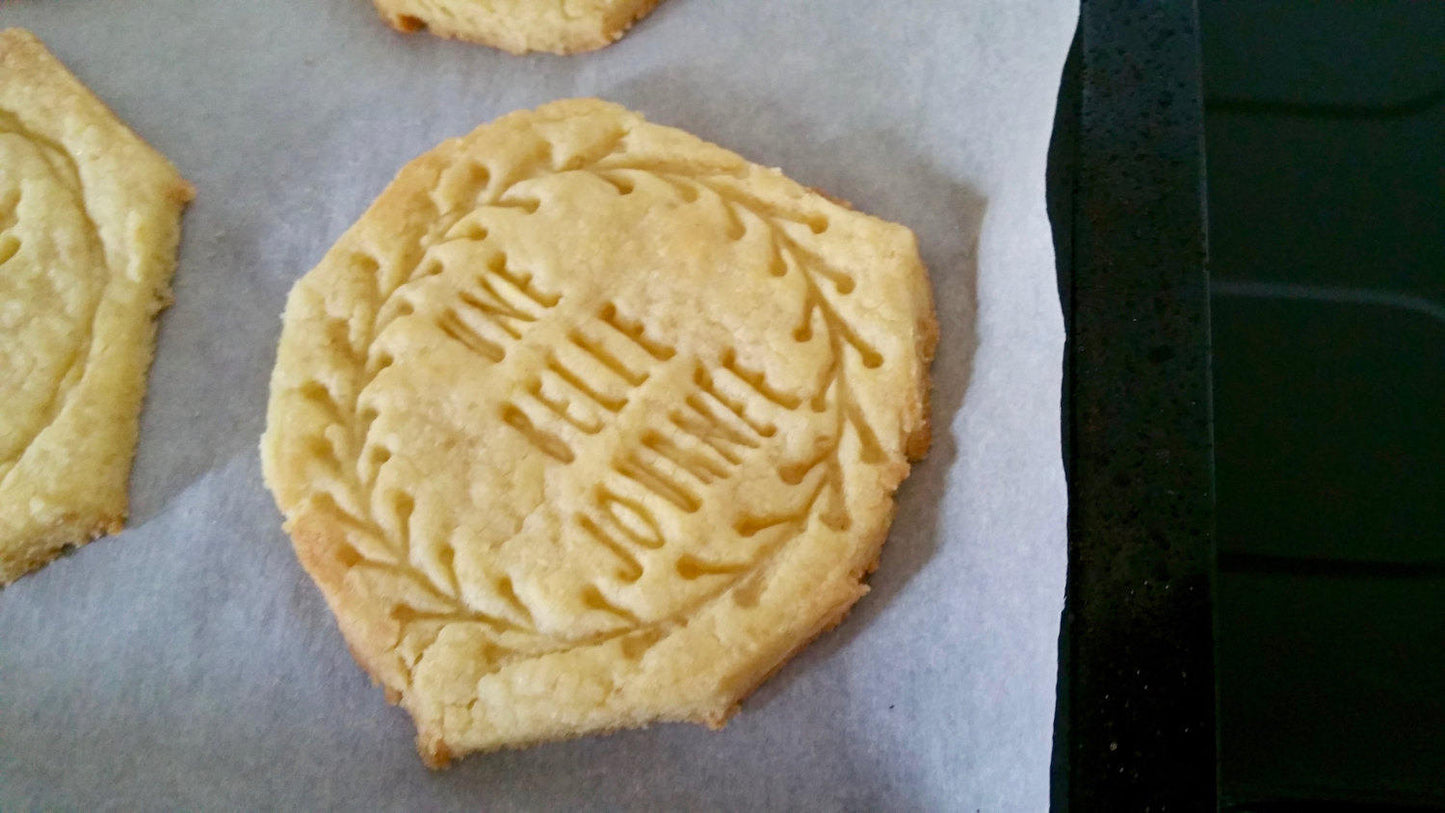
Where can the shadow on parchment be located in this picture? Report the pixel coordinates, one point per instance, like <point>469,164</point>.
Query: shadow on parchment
<point>206,396</point>
<point>896,184</point>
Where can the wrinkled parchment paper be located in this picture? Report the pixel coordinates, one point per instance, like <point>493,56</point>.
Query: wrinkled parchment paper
<point>189,661</point>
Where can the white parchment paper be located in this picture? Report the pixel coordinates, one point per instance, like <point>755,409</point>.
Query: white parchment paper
<point>189,661</point>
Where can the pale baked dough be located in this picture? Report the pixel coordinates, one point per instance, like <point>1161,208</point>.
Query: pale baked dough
<point>89,220</point>
<point>519,26</point>
<point>588,423</point>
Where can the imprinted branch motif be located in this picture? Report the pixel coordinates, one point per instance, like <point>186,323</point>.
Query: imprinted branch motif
<point>378,523</point>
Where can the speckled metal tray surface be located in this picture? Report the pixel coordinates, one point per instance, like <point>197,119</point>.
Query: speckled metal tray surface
<point>1135,725</point>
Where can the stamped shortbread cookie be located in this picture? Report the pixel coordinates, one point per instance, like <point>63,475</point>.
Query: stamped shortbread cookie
<point>89,220</point>
<point>519,26</point>
<point>588,423</point>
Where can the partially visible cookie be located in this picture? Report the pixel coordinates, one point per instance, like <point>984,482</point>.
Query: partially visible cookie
<point>89,221</point>
<point>588,423</point>
<point>519,26</point>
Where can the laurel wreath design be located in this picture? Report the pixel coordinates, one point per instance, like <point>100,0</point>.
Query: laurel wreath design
<point>353,499</point>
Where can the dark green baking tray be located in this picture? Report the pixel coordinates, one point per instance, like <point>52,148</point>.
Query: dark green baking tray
<point>1135,719</point>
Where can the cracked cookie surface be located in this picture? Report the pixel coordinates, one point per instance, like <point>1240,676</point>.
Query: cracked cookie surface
<point>89,221</point>
<point>587,423</point>
<point>520,26</point>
